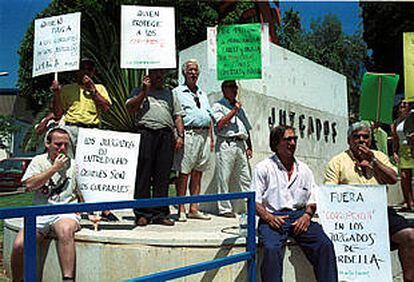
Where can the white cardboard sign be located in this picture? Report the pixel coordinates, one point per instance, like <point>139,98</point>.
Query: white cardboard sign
<point>147,37</point>
<point>56,46</point>
<point>106,162</point>
<point>355,219</point>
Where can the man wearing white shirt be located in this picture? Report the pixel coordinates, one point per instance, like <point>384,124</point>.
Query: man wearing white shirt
<point>285,203</point>
<point>233,146</point>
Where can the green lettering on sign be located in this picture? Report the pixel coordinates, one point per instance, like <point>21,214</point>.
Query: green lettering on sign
<point>239,53</point>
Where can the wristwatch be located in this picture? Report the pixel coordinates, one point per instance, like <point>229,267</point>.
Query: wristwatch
<point>374,160</point>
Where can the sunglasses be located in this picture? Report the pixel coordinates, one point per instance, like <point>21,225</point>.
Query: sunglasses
<point>197,101</point>
<point>358,136</point>
<point>291,138</point>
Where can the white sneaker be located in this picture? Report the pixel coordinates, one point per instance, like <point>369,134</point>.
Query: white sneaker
<point>182,217</point>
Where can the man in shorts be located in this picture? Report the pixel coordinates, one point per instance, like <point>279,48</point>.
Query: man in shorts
<point>193,159</point>
<point>52,177</point>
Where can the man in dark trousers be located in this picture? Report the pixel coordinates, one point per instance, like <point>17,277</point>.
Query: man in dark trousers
<point>285,203</point>
<point>157,112</point>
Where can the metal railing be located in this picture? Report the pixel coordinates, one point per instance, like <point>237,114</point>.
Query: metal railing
<point>29,213</point>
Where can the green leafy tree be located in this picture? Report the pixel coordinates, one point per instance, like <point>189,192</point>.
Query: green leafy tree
<point>384,24</point>
<point>326,44</point>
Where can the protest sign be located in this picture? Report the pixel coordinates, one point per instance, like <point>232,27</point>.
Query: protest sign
<point>107,162</point>
<point>355,219</point>
<point>147,37</point>
<point>239,54</point>
<point>212,47</point>
<point>377,99</point>
<point>408,42</point>
<point>56,46</point>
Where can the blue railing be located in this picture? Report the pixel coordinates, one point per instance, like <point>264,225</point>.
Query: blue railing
<point>30,213</point>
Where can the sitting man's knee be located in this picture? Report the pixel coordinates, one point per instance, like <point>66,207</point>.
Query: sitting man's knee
<point>65,232</point>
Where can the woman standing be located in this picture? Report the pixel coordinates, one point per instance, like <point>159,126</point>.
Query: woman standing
<point>402,153</point>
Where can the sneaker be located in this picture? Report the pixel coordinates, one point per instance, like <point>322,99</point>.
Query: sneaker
<point>182,217</point>
<point>198,215</point>
<point>228,214</point>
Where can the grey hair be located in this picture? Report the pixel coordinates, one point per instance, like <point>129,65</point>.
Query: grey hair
<point>190,61</point>
<point>359,125</point>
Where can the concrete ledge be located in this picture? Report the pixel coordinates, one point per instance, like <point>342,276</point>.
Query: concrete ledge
<point>121,250</point>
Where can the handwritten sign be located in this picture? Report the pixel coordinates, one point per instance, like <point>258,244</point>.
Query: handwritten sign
<point>56,45</point>
<point>408,42</point>
<point>239,53</point>
<point>107,162</point>
<point>355,219</point>
<point>147,37</point>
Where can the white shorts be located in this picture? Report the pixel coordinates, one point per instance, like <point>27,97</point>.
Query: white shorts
<point>45,223</point>
<point>195,154</point>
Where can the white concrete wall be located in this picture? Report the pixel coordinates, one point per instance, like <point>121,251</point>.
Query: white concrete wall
<point>292,85</point>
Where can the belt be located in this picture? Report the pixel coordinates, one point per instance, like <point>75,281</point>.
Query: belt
<point>84,125</point>
<point>143,128</point>
<point>285,210</point>
<point>235,138</point>
<point>190,127</point>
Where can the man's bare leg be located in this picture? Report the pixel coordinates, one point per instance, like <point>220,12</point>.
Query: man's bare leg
<point>405,240</point>
<point>17,255</point>
<point>181,188</point>
<point>195,188</point>
<point>65,230</point>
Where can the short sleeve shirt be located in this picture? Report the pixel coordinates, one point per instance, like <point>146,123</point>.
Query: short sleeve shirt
<point>194,116</point>
<point>79,106</point>
<point>276,191</point>
<point>239,125</point>
<point>158,109</point>
<point>61,186</point>
<point>342,169</point>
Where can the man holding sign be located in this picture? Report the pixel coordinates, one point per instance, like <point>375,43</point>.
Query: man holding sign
<point>285,203</point>
<point>81,102</point>
<point>361,165</point>
<point>233,147</point>
<point>157,112</point>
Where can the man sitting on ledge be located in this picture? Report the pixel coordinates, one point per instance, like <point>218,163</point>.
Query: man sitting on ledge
<point>361,165</point>
<point>52,177</point>
<point>285,203</point>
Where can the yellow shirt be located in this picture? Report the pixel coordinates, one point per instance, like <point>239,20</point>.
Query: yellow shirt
<point>342,169</point>
<point>79,106</point>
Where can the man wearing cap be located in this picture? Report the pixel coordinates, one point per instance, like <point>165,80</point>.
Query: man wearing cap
<point>285,203</point>
<point>52,177</point>
<point>194,157</point>
<point>157,113</point>
<point>233,146</point>
<point>359,165</point>
<point>82,103</point>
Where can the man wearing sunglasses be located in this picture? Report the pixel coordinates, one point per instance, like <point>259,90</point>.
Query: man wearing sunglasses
<point>194,157</point>
<point>361,165</point>
<point>233,147</point>
<point>285,203</point>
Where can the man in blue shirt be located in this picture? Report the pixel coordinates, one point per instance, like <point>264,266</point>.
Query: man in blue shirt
<point>194,157</point>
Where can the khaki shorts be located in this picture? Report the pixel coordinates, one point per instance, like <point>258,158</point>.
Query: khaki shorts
<point>195,154</point>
